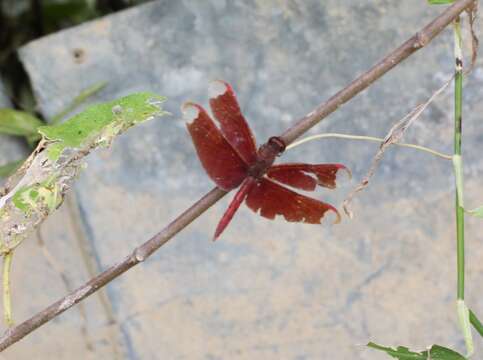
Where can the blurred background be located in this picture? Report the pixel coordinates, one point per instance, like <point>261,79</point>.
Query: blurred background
<point>266,289</point>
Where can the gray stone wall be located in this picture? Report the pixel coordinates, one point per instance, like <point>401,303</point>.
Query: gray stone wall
<point>266,289</point>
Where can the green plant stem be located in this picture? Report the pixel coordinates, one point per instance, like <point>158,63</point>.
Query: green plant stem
<point>458,99</point>
<point>476,323</point>
<point>367,138</point>
<point>463,311</point>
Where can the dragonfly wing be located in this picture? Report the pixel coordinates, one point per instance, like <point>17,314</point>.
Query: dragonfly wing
<point>234,127</point>
<point>306,176</point>
<point>270,199</point>
<point>219,159</point>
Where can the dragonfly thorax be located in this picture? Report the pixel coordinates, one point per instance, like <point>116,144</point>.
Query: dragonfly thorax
<point>266,156</point>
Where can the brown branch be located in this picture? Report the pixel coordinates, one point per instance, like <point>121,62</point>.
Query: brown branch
<point>419,40</point>
<point>416,42</point>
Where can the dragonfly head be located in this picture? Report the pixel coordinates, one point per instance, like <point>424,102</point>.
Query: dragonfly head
<point>266,156</point>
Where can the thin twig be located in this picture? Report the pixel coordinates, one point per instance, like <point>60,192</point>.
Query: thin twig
<point>366,138</point>
<point>139,254</point>
<point>472,12</point>
<point>416,42</point>
<point>394,135</point>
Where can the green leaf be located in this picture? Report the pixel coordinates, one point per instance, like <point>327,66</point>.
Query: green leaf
<point>401,353</point>
<point>478,212</point>
<point>441,353</point>
<point>436,352</point>
<point>8,169</point>
<point>56,14</point>
<point>45,195</point>
<point>101,122</point>
<point>55,11</point>
<point>78,100</point>
<point>440,2</point>
<point>51,170</point>
<point>20,123</point>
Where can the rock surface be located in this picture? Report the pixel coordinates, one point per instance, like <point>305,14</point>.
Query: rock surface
<point>11,148</point>
<point>266,289</point>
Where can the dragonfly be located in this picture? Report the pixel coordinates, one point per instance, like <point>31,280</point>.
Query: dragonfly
<point>228,153</point>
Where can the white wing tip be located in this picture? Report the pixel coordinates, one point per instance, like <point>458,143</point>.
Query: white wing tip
<point>190,112</point>
<point>217,88</point>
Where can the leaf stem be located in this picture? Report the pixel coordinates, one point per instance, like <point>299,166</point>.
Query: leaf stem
<point>476,323</point>
<point>366,138</point>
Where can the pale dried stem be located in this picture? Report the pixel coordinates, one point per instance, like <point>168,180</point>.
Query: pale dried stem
<point>366,138</point>
<point>394,136</point>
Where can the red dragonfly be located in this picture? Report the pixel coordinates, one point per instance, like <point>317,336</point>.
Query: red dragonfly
<point>230,157</point>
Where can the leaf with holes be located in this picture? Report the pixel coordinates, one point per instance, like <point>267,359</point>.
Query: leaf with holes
<point>38,187</point>
<point>436,352</point>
